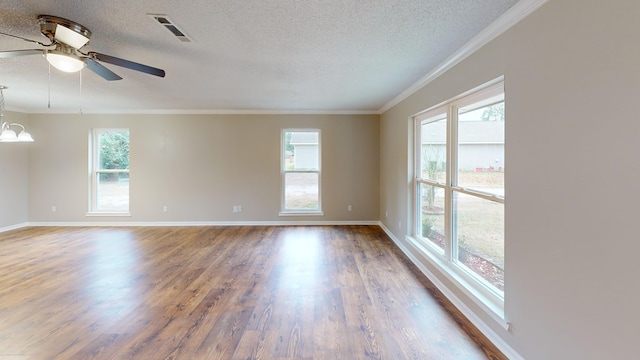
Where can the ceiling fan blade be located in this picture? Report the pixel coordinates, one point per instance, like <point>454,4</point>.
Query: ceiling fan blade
<point>101,70</point>
<point>25,39</point>
<point>127,64</point>
<point>14,53</point>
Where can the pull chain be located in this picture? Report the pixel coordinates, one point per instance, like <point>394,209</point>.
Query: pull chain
<point>80,91</point>
<point>49,88</point>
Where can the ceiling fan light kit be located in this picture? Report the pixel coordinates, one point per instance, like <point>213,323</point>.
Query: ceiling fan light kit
<point>64,59</point>
<point>64,62</point>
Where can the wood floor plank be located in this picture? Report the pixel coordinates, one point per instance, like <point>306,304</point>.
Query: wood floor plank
<point>228,292</point>
<point>331,334</point>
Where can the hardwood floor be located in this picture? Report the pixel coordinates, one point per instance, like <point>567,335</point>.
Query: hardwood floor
<point>268,292</point>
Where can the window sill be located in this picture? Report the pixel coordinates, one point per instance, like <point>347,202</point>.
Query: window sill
<point>124,214</point>
<point>491,305</point>
<point>301,213</point>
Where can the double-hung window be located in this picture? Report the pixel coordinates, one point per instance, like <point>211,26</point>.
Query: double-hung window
<point>300,172</point>
<point>109,172</point>
<point>459,190</point>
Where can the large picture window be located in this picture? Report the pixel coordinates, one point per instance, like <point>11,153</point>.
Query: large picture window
<point>300,171</point>
<point>459,187</point>
<point>109,176</point>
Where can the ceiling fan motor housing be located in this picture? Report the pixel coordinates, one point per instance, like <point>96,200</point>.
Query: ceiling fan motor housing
<point>49,26</point>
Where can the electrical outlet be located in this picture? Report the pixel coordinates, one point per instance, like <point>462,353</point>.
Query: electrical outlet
<point>386,214</point>
<point>236,208</point>
<point>165,209</point>
<point>54,208</point>
<point>349,208</point>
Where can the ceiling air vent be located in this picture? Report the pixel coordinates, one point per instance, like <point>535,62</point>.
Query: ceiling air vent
<point>168,24</point>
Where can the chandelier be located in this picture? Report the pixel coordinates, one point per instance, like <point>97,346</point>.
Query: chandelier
<point>8,134</point>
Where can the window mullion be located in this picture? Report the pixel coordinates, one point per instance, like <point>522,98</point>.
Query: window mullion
<point>417,171</point>
<point>451,248</point>
<point>112,171</point>
<point>479,194</point>
<point>95,156</point>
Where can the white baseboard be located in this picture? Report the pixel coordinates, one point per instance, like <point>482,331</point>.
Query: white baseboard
<point>497,340</point>
<point>199,223</point>
<point>13,227</point>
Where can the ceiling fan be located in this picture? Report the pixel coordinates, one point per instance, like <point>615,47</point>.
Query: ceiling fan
<point>63,52</point>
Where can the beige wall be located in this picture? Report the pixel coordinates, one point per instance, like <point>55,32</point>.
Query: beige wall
<point>572,80</point>
<point>200,166</point>
<point>14,177</point>
<point>573,178</point>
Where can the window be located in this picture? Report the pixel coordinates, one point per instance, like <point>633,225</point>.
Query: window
<point>300,172</point>
<point>109,177</point>
<point>459,187</point>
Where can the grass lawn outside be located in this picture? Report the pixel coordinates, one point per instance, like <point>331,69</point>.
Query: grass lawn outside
<point>480,225</point>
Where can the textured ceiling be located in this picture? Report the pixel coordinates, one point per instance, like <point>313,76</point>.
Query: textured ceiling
<point>246,55</point>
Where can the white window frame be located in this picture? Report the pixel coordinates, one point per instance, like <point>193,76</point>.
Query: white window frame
<point>94,171</point>
<point>283,173</point>
<point>446,261</point>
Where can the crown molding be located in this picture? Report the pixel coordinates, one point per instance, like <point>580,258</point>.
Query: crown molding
<point>193,112</point>
<point>514,15</point>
